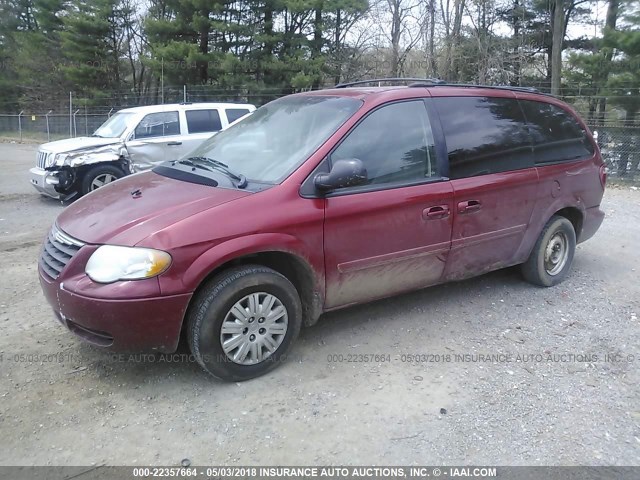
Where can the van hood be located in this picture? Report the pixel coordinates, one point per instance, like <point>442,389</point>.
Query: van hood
<point>129,210</point>
<point>79,143</point>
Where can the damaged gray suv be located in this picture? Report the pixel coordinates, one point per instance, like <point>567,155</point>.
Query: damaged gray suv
<point>132,140</point>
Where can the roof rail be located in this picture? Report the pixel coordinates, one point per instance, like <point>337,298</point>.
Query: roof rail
<point>436,82</point>
<point>493,87</point>
<point>422,81</point>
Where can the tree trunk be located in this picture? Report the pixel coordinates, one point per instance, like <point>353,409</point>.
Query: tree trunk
<point>203,47</point>
<point>432,29</point>
<point>557,40</point>
<point>396,30</point>
<point>610,25</point>
<point>337,47</point>
<point>459,6</point>
<point>316,49</point>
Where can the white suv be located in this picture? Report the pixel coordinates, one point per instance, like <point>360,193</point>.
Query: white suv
<point>132,140</point>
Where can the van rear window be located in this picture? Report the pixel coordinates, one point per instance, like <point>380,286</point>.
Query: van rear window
<point>555,133</point>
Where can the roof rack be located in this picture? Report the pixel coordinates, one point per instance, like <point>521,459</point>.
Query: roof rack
<point>436,82</point>
<point>421,81</point>
<point>493,87</point>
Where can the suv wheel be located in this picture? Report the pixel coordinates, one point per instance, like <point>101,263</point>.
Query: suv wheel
<point>552,255</point>
<point>244,322</point>
<point>99,176</point>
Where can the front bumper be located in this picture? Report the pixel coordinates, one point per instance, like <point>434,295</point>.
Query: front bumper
<point>39,177</point>
<point>140,325</point>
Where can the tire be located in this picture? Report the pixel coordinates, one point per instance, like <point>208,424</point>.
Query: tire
<point>552,255</point>
<point>100,172</point>
<point>226,301</point>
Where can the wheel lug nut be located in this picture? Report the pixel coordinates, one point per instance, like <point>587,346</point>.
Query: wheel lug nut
<point>261,331</point>
<point>252,338</point>
<point>261,320</point>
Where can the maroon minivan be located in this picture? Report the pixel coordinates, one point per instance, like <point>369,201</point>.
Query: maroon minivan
<point>321,200</point>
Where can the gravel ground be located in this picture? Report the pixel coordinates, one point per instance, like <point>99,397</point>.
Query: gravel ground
<point>548,396</point>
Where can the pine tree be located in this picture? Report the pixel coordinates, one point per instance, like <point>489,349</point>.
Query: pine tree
<point>93,42</point>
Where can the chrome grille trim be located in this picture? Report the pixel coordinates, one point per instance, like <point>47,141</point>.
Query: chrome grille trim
<point>41,159</point>
<point>59,248</point>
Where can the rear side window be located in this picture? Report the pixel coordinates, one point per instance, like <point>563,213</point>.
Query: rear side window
<point>555,133</point>
<point>484,135</point>
<point>395,143</point>
<point>234,114</point>
<point>203,121</point>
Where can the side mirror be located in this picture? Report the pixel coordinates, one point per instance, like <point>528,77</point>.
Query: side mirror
<point>345,173</point>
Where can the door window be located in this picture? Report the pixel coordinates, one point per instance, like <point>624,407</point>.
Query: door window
<point>395,143</point>
<point>234,114</point>
<point>203,121</point>
<point>158,125</point>
<point>484,135</point>
<point>557,136</point>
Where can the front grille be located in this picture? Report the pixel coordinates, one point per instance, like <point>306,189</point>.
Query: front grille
<point>41,159</point>
<point>58,249</point>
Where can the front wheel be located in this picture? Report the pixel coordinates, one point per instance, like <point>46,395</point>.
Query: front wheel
<point>99,176</point>
<point>244,322</point>
<point>552,255</point>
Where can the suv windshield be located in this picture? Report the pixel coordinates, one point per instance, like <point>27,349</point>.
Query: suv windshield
<point>272,142</point>
<point>115,126</point>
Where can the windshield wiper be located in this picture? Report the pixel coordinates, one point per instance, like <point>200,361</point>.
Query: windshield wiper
<point>210,162</point>
<point>96,135</point>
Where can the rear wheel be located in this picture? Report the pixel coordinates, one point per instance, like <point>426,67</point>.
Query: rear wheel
<point>244,322</point>
<point>99,176</point>
<point>552,255</point>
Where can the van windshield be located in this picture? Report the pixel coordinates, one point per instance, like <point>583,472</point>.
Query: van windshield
<point>268,145</point>
<point>115,126</point>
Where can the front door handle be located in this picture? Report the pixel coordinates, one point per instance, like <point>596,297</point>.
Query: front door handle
<point>469,206</point>
<point>439,211</point>
<point>173,144</point>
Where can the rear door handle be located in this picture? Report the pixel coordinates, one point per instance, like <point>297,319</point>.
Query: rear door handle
<point>173,144</point>
<point>439,211</point>
<point>469,206</point>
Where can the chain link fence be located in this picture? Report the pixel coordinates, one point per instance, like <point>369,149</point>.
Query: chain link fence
<point>618,135</point>
<point>620,147</point>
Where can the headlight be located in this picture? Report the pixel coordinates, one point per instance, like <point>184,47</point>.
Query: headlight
<point>56,159</point>
<point>110,263</point>
<point>51,159</point>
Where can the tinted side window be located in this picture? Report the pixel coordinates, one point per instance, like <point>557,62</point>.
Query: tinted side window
<point>203,121</point>
<point>484,135</point>
<point>234,114</point>
<point>556,135</point>
<point>395,143</point>
<point>158,125</point>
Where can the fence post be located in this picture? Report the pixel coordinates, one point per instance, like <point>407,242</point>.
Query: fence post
<point>70,114</point>
<point>75,125</point>
<point>20,124</point>
<point>184,95</point>
<point>48,132</point>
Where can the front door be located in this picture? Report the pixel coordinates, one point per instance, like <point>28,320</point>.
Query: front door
<point>392,234</point>
<point>155,140</point>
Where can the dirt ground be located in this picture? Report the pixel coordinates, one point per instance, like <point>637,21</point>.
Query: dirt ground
<point>562,388</point>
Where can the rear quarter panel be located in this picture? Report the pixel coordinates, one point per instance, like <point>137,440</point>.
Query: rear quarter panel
<point>570,184</point>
